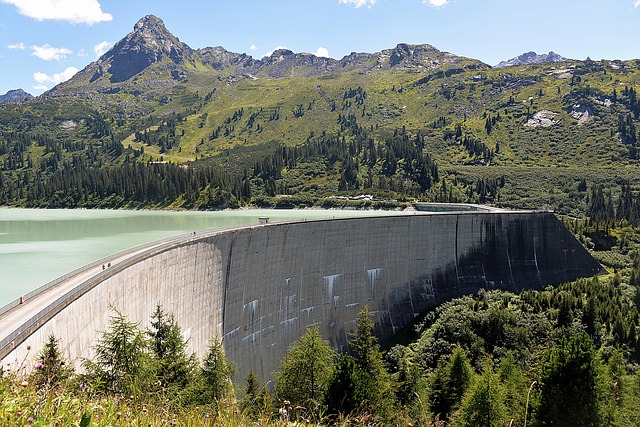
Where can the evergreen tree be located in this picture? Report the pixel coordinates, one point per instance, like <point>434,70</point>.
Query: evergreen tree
<point>174,367</point>
<point>216,373</point>
<point>304,373</point>
<point>484,402</point>
<point>249,403</point>
<point>570,385</point>
<point>340,397</point>
<point>122,360</point>
<point>449,383</point>
<point>374,389</point>
<point>51,368</point>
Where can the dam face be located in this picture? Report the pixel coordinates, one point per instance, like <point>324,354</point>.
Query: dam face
<point>259,288</point>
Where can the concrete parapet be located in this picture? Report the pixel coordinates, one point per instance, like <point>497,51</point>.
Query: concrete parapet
<point>260,287</point>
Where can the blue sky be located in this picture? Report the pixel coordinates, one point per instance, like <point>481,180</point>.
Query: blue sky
<point>43,42</point>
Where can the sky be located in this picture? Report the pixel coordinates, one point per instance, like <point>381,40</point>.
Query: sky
<point>44,42</point>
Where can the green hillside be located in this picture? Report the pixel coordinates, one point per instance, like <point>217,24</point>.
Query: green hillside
<point>214,129</point>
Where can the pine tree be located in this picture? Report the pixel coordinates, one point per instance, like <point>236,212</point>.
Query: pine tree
<point>340,397</point>
<point>168,348</point>
<point>449,383</point>
<point>122,360</point>
<point>304,373</point>
<point>216,373</point>
<point>51,368</point>
<point>484,402</point>
<point>374,389</point>
<point>571,391</point>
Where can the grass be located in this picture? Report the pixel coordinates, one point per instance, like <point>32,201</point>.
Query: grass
<point>24,404</point>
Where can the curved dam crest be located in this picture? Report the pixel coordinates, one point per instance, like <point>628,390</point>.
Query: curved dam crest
<point>260,287</point>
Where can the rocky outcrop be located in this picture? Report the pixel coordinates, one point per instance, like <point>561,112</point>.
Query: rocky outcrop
<point>582,113</point>
<point>544,118</point>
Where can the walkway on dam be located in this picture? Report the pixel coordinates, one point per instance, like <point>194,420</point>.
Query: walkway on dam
<point>18,315</point>
<point>15,315</point>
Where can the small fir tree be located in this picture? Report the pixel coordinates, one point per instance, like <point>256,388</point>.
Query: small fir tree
<point>304,373</point>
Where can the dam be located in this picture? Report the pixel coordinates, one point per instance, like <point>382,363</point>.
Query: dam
<point>259,287</point>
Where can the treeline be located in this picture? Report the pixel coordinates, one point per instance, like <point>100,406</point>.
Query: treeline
<point>399,163</point>
<point>602,209</point>
<point>127,185</point>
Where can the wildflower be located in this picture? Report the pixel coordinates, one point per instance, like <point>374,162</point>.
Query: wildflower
<point>30,419</point>
<point>24,383</point>
<point>38,365</point>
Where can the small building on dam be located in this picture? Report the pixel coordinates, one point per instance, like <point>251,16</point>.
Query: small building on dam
<point>260,287</point>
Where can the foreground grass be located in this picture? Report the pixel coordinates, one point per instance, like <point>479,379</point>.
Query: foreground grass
<point>24,404</point>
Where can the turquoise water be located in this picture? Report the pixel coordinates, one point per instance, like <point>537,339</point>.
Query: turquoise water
<point>37,246</point>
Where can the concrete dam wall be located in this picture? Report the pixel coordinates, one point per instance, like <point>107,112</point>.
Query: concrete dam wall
<point>260,287</point>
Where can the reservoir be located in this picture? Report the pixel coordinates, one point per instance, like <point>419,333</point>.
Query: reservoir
<point>38,245</point>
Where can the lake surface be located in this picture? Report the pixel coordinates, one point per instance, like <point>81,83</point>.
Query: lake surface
<point>37,246</point>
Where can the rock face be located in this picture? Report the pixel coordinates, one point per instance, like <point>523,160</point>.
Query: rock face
<point>149,42</point>
<point>532,58</point>
<point>15,95</point>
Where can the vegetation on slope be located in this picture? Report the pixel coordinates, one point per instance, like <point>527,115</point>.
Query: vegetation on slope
<point>524,137</point>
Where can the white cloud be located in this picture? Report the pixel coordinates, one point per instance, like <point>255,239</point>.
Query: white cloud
<point>75,11</point>
<point>438,3</point>
<point>101,48</point>
<point>636,3</point>
<point>254,47</point>
<point>81,53</point>
<point>271,51</point>
<point>17,46</point>
<point>42,78</point>
<point>48,52</point>
<point>358,3</point>
<point>323,52</point>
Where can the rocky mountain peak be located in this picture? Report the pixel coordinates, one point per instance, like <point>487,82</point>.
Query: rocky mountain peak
<point>148,43</point>
<point>278,53</point>
<point>531,58</point>
<point>149,22</point>
<point>15,95</point>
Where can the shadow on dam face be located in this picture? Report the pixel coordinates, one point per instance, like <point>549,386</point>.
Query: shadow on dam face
<point>260,287</point>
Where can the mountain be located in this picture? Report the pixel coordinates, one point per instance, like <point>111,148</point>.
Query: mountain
<point>15,95</point>
<point>294,129</point>
<point>149,43</point>
<point>152,60</point>
<point>532,58</point>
